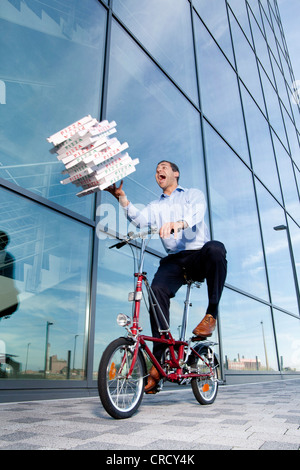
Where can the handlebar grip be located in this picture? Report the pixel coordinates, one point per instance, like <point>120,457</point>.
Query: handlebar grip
<point>118,245</point>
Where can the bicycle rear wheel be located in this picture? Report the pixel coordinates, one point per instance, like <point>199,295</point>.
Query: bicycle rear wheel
<point>205,389</point>
<point>121,395</point>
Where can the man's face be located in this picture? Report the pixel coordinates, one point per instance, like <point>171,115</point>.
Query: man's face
<point>165,176</point>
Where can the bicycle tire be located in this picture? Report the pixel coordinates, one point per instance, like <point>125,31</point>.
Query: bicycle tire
<point>205,389</point>
<point>121,396</point>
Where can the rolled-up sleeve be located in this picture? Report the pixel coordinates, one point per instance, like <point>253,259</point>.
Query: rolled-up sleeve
<point>140,218</point>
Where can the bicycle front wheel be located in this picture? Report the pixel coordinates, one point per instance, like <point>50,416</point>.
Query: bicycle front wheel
<point>120,394</point>
<point>205,389</point>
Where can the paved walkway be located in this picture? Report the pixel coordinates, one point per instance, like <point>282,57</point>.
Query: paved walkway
<point>264,416</point>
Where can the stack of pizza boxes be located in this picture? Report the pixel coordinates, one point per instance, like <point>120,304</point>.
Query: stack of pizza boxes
<point>93,159</point>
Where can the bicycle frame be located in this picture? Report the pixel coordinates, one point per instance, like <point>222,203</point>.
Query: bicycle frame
<point>166,338</point>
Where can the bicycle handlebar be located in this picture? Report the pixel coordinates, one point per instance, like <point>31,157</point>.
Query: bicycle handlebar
<point>133,236</point>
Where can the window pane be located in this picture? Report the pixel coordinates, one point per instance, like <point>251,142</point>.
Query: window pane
<point>288,340</point>
<point>246,62</point>
<point>287,178</point>
<point>260,46</point>
<point>295,238</point>
<point>293,140</point>
<point>247,334</point>
<point>219,91</point>
<point>60,84</point>
<point>46,336</point>
<point>214,15</point>
<point>254,6</point>
<point>240,11</point>
<point>273,108</point>
<point>277,252</point>
<point>157,122</point>
<point>165,30</point>
<point>260,145</point>
<point>235,220</point>
<point>270,37</point>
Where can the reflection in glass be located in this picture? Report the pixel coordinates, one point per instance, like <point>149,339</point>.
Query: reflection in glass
<point>288,340</point>
<point>9,301</point>
<point>278,258</point>
<point>51,67</point>
<point>240,11</point>
<point>155,120</point>
<point>260,145</point>
<point>287,178</point>
<point>46,336</point>
<point>219,91</point>
<point>247,334</point>
<point>246,62</point>
<point>260,46</point>
<point>214,15</point>
<point>295,239</point>
<point>169,41</point>
<point>273,107</point>
<point>294,142</point>
<point>235,220</point>
<point>270,37</point>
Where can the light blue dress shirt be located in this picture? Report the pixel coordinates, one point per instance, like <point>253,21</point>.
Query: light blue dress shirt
<point>184,204</point>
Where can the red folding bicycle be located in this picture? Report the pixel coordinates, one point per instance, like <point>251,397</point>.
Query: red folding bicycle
<point>122,371</point>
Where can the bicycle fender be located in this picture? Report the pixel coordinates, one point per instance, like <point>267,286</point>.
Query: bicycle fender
<point>202,349</point>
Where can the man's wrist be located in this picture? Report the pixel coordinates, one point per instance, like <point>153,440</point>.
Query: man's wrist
<point>123,201</point>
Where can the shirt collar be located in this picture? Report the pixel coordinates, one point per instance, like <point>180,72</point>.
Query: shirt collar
<point>178,188</point>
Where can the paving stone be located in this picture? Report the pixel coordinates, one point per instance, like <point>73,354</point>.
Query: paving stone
<point>243,417</point>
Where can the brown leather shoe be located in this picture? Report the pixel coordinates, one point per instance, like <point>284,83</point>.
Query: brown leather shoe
<point>206,326</point>
<point>153,379</point>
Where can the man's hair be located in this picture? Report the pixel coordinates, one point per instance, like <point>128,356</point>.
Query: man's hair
<point>173,166</point>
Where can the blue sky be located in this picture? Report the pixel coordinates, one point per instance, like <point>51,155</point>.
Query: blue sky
<point>290,14</point>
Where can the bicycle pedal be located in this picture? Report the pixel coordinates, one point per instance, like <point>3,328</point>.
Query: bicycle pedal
<point>194,339</point>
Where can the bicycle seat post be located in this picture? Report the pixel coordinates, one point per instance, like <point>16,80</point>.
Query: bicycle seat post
<point>187,305</point>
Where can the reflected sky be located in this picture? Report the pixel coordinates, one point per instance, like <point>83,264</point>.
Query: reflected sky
<point>51,275</point>
<point>59,84</point>
<point>290,14</point>
<point>170,42</point>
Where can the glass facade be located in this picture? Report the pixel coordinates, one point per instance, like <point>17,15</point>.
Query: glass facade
<point>207,86</point>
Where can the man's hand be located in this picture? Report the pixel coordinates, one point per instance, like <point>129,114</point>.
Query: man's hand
<point>118,193</point>
<point>171,227</point>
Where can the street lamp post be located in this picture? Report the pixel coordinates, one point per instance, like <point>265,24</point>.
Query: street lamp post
<point>46,347</point>
<point>265,347</point>
<point>284,227</point>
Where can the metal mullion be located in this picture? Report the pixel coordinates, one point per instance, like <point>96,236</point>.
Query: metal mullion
<point>18,190</point>
<point>91,318</point>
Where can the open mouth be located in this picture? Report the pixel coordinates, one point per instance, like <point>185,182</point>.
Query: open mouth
<point>161,178</point>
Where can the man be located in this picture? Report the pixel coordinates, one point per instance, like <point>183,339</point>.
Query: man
<point>179,216</point>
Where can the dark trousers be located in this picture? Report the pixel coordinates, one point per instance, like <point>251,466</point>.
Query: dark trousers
<point>207,263</point>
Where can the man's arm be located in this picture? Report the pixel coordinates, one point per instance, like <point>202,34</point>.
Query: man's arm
<point>140,218</point>
<point>119,194</point>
